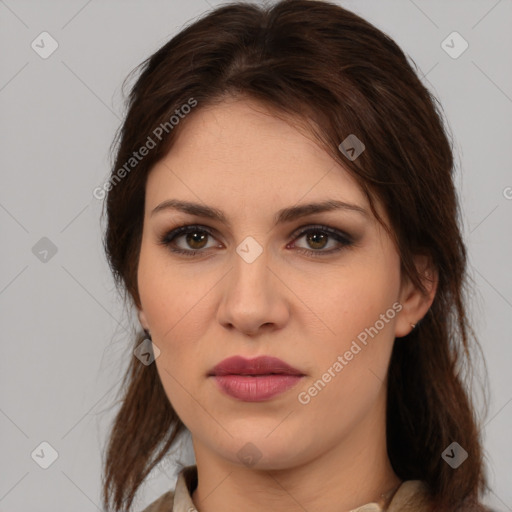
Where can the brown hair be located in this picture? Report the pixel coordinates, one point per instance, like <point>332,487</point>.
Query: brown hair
<point>327,67</point>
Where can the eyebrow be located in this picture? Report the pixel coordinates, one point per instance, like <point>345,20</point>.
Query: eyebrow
<point>282,216</point>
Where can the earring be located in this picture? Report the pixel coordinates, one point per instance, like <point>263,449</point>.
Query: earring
<point>413,325</point>
<point>148,334</point>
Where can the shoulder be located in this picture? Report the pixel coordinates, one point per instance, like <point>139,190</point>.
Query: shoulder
<point>162,504</point>
<point>411,496</point>
<point>180,496</point>
<point>414,496</point>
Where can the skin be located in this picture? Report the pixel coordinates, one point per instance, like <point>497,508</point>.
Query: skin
<point>329,454</point>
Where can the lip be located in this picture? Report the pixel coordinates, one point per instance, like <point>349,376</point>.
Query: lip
<point>255,380</point>
<point>262,365</point>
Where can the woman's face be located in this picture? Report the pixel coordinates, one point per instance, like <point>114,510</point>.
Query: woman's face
<point>253,289</point>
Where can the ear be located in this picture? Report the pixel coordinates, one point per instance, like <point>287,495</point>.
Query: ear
<point>415,304</point>
<point>143,321</point>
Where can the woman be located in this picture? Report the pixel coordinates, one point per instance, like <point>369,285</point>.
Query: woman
<point>282,215</point>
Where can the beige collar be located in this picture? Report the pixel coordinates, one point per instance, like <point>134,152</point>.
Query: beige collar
<point>410,496</point>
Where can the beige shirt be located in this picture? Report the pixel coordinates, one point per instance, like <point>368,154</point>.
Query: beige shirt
<point>410,496</point>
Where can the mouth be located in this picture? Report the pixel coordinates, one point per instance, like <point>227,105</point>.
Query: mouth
<point>254,380</point>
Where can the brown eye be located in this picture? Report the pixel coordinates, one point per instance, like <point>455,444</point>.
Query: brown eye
<point>318,237</point>
<point>317,240</point>
<point>195,239</point>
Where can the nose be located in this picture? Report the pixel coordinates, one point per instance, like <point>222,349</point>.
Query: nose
<point>254,296</point>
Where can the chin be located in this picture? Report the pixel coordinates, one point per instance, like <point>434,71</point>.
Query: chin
<point>262,454</point>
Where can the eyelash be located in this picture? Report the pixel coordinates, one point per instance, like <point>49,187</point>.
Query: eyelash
<point>340,237</point>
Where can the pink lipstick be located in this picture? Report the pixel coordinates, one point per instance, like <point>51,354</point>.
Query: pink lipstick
<point>255,380</point>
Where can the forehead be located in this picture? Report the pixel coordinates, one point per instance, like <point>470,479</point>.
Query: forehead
<point>239,150</point>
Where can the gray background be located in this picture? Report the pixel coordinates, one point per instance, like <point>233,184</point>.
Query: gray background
<point>64,331</point>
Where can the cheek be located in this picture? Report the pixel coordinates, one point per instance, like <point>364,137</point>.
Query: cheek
<point>349,364</point>
<point>176,313</point>
<point>173,308</point>
<point>357,308</point>
<point>347,301</point>
<point>170,297</point>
